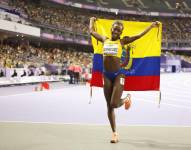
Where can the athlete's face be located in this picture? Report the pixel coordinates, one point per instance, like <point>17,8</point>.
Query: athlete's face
<point>116,31</point>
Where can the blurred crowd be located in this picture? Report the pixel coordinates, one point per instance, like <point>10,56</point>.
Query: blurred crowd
<point>73,20</point>
<point>76,20</point>
<point>57,17</point>
<point>64,61</point>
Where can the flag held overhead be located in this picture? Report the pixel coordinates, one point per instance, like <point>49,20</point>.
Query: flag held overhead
<point>143,69</point>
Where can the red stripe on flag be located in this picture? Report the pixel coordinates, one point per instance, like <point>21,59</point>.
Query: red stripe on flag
<point>97,79</point>
<point>142,83</point>
<point>132,83</point>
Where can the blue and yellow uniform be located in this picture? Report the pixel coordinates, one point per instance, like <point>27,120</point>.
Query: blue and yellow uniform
<point>112,48</point>
<point>115,49</point>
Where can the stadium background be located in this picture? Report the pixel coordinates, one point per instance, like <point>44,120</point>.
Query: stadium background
<point>64,42</point>
<point>48,41</point>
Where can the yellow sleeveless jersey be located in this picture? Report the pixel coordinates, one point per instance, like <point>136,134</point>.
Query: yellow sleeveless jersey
<point>112,48</point>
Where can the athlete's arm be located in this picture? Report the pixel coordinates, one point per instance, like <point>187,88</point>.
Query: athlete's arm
<point>127,40</point>
<point>93,32</point>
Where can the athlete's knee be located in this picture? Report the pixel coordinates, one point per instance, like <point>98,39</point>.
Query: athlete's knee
<point>113,104</point>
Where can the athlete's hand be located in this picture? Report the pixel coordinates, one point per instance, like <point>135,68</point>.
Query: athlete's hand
<point>155,24</point>
<point>93,19</point>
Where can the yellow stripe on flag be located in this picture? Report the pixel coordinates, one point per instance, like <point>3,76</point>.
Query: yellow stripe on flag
<point>147,46</point>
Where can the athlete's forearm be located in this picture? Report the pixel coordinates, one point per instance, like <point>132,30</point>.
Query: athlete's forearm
<point>93,32</point>
<point>154,24</point>
<point>146,31</point>
<point>91,26</point>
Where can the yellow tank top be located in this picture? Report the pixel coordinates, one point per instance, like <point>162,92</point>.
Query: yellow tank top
<point>112,48</point>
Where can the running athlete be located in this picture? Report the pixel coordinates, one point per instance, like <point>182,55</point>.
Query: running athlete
<point>112,67</point>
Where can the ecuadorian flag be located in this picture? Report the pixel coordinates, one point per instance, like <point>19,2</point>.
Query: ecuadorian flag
<point>143,68</point>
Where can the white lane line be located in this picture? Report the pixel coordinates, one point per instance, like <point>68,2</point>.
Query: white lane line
<point>93,124</point>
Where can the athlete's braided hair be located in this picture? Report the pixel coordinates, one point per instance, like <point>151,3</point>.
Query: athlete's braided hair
<point>118,22</point>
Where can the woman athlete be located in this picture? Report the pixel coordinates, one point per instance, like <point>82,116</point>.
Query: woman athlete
<point>113,72</point>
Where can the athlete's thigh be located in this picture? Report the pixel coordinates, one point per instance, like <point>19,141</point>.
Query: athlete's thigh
<point>117,89</point>
<point>108,88</point>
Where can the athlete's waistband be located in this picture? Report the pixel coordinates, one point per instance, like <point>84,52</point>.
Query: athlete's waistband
<point>113,75</point>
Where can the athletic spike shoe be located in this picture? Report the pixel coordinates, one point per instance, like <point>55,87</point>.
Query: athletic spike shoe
<point>115,138</point>
<point>127,101</point>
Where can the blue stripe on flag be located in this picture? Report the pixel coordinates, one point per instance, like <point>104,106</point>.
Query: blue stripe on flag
<point>148,66</point>
<point>98,62</point>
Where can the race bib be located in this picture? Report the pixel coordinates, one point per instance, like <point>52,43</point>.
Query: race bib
<point>110,49</point>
